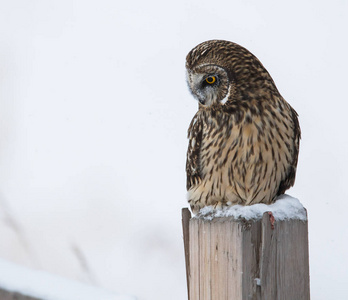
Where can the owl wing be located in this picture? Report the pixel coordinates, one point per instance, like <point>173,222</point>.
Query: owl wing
<point>192,158</point>
<point>290,178</point>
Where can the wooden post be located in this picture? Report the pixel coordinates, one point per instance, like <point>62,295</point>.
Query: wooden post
<point>186,216</point>
<point>229,259</point>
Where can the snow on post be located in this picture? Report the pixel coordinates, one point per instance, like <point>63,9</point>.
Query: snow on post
<point>256,252</point>
<point>20,283</point>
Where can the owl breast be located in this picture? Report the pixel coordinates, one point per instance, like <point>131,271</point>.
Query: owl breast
<point>242,159</point>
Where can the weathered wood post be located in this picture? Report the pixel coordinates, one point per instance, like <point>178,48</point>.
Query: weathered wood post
<point>231,258</point>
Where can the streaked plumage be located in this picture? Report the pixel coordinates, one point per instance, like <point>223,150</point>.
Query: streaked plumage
<point>244,139</point>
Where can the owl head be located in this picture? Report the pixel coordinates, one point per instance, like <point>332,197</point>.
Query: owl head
<point>219,72</point>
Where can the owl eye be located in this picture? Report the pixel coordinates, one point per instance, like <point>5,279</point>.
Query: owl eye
<point>210,79</point>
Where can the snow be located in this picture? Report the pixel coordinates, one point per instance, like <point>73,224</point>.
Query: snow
<point>284,208</point>
<point>42,285</point>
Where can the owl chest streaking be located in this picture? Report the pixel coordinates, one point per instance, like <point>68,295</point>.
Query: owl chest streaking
<point>244,139</point>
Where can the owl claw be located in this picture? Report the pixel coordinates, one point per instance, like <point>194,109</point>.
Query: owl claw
<point>271,219</point>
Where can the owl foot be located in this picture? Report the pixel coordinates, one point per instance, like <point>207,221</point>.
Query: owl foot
<point>219,205</point>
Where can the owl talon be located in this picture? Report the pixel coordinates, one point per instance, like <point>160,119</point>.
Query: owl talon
<point>218,205</point>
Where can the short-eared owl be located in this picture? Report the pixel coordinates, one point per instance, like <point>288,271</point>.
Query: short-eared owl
<point>244,139</point>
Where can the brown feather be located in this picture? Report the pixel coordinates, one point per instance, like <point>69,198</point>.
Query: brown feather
<point>243,151</point>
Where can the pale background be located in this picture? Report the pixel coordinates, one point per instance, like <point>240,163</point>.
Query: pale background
<point>93,117</point>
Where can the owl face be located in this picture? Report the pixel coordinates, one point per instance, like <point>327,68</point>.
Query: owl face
<point>220,73</point>
<point>209,84</point>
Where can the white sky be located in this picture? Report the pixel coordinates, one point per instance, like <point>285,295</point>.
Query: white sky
<point>94,110</point>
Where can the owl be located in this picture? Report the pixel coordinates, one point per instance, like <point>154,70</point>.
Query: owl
<point>244,139</point>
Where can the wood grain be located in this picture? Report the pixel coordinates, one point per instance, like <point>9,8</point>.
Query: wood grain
<point>186,216</point>
<point>232,259</point>
<point>284,267</point>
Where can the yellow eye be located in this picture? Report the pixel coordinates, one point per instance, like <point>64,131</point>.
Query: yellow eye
<point>210,79</point>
